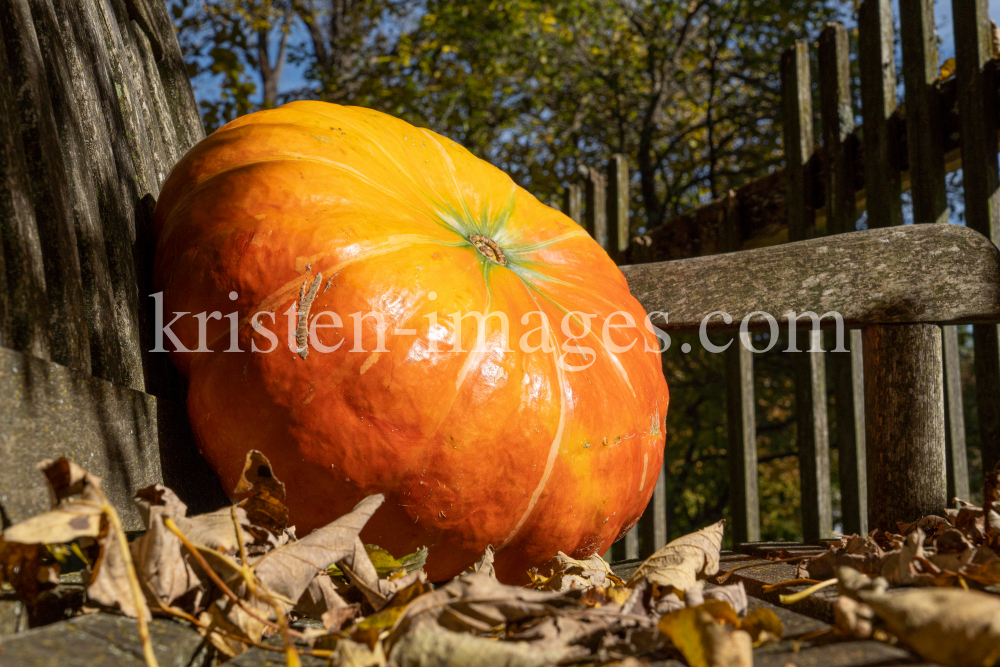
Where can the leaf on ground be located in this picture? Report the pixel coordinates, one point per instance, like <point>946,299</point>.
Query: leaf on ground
<point>852,618</point>
<point>732,594</point>
<point>158,554</point>
<point>435,647</point>
<point>948,626</point>
<point>80,510</point>
<point>860,553</point>
<point>763,626</point>
<point>287,571</point>
<point>474,603</point>
<point>485,563</point>
<point>704,641</point>
<point>263,500</point>
<point>415,561</point>
<point>683,561</point>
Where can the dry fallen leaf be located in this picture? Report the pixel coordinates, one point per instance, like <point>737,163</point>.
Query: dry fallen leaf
<point>949,626</point>
<point>704,641</point>
<point>474,603</point>
<point>485,563</point>
<point>683,561</point>
<point>763,626</point>
<point>568,573</point>
<point>158,555</point>
<point>435,647</point>
<point>80,511</point>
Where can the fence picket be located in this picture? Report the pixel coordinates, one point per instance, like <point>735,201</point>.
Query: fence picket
<point>595,216</point>
<point>741,422</point>
<point>930,199</point>
<point>977,83</point>
<point>810,370</point>
<point>573,202</point>
<point>617,207</point>
<point>846,371</point>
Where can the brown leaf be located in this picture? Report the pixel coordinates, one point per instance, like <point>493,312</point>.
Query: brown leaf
<point>683,561</point>
<point>263,496</point>
<point>852,618</point>
<point>80,511</point>
<point>286,572</point>
<point>949,626</point>
<point>860,553</point>
<point>898,567</point>
<point>474,603</point>
<point>991,487</point>
<point>704,641</point>
<point>485,563</point>
<point>435,647</point>
<point>763,626</point>
<point>160,559</point>
<point>568,573</point>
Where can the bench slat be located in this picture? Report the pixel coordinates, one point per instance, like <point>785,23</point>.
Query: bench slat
<point>912,274</point>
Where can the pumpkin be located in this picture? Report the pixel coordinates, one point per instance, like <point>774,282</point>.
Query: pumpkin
<point>287,222</point>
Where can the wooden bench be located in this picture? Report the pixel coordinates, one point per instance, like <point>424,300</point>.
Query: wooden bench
<point>96,107</point>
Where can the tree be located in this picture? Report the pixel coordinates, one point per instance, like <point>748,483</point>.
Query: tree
<point>237,42</point>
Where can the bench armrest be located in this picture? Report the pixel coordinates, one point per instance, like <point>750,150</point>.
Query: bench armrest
<point>940,274</point>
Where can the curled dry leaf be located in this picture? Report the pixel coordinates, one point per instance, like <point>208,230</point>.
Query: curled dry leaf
<point>485,563</point>
<point>704,640</point>
<point>434,647</point>
<point>158,554</point>
<point>763,626</point>
<point>949,626</point>
<point>683,561</point>
<point>80,510</point>
<point>474,603</point>
<point>568,573</point>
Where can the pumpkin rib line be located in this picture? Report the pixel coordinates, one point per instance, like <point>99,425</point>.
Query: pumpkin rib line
<point>553,448</point>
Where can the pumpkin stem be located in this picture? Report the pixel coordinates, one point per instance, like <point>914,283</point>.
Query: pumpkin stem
<point>489,249</point>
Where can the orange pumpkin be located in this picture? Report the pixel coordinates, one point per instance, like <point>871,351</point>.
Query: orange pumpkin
<point>315,211</point>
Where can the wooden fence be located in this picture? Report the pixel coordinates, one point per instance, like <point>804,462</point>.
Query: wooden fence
<point>823,189</point>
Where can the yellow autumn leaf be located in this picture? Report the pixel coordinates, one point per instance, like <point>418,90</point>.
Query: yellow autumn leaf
<point>947,69</point>
<point>704,641</point>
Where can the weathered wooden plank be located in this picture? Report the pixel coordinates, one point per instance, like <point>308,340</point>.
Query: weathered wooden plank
<point>46,184</point>
<point>741,421</point>
<point>653,523</point>
<point>812,434</point>
<point>841,147</point>
<point>573,202</point>
<point>977,78</point>
<point>956,456</point>
<point>940,274</point>
<point>595,218</point>
<point>108,165</point>
<point>849,393</point>
<point>877,64</point>
<point>929,193</point>
<point>105,351</point>
<point>25,303</point>
<point>129,438</point>
<point>904,410</point>
<point>741,426</point>
<point>796,108</point>
<point>923,112</point>
<point>617,207</point>
<point>176,85</point>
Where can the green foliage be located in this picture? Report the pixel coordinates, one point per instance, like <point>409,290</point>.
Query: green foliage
<point>228,42</point>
